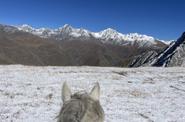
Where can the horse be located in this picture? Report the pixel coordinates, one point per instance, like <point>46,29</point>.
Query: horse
<point>81,106</point>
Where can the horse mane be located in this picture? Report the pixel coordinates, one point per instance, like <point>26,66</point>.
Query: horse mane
<point>74,109</point>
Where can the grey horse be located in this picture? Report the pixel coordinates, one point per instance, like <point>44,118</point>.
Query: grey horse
<point>81,107</point>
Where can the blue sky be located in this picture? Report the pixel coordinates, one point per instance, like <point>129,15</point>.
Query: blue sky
<point>163,19</point>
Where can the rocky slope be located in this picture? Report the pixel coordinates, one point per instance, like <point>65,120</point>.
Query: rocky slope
<point>144,59</point>
<point>173,55</point>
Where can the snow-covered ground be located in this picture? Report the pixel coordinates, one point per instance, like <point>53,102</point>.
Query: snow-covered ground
<point>33,94</point>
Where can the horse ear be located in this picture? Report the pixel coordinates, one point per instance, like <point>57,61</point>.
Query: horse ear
<point>95,92</point>
<point>66,92</point>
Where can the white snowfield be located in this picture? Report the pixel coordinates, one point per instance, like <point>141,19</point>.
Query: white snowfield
<point>33,94</point>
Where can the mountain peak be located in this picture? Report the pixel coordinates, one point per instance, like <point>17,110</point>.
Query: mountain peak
<point>67,26</point>
<point>110,34</point>
<point>109,31</point>
<point>26,26</point>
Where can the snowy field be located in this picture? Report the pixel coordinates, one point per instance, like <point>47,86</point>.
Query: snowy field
<point>33,94</point>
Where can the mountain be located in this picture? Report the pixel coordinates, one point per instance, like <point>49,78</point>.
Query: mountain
<point>109,36</point>
<point>173,55</point>
<point>68,46</point>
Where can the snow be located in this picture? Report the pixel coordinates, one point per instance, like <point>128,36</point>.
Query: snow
<point>42,32</point>
<point>110,33</point>
<point>26,28</point>
<point>167,42</point>
<point>33,94</point>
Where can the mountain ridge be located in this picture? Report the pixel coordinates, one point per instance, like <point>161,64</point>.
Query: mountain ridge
<point>108,35</point>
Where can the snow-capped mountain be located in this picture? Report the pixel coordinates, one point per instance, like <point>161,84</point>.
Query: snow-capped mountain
<point>106,36</point>
<point>110,35</point>
<point>8,29</point>
<point>42,32</point>
<point>61,33</point>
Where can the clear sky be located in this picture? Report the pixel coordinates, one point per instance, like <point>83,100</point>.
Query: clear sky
<point>163,19</point>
